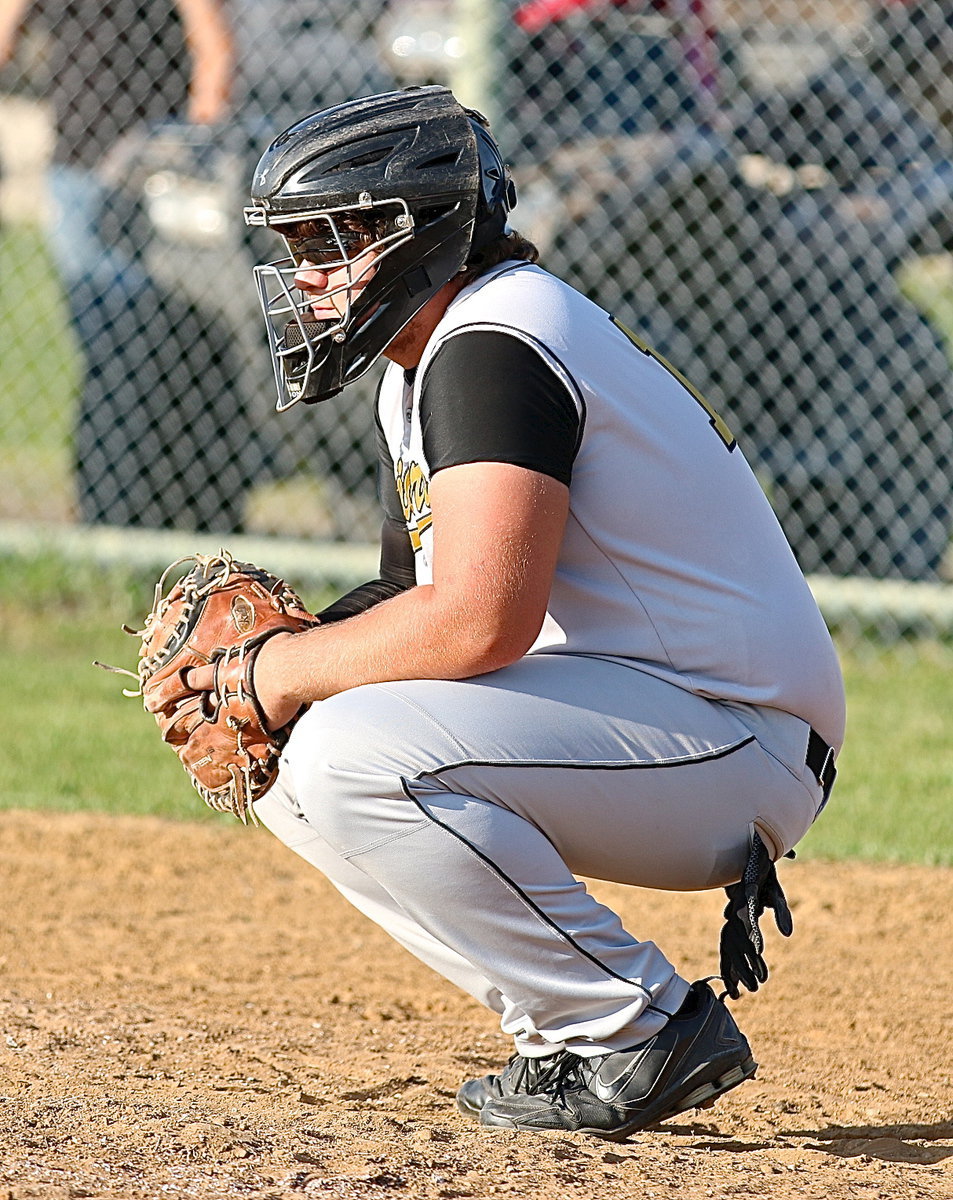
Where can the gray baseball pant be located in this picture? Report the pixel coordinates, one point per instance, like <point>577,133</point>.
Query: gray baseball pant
<point>458,815</point>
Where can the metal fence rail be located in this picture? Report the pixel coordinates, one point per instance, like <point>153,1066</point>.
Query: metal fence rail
<point>881,612</point>
<point>762,190</point>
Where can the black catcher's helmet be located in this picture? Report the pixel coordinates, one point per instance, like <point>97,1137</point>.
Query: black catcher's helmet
<point>410,175</point>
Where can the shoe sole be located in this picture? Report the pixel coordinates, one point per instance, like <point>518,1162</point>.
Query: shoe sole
<point>703,1096</point>
<point>468,1110</point>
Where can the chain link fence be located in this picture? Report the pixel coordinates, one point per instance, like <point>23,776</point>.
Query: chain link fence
<point>763,190</point>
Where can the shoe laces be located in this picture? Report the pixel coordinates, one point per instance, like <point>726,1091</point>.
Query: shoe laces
<point>550,1077</point>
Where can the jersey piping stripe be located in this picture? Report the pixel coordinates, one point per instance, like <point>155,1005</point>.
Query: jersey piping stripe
<point>531,904</point>
<point>662,764</point>
<point>528,901</point>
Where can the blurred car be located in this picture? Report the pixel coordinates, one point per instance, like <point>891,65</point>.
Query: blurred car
<point>197,431</point>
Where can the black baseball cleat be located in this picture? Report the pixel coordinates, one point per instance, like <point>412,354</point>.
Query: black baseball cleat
<point>700,1054</point>
<point>520,1074</point>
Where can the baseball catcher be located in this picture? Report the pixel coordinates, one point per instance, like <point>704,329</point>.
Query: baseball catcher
<point>590,650</point>
<point>217,615</point>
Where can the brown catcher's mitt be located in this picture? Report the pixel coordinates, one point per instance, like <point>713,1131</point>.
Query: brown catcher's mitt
<point>220,613</point>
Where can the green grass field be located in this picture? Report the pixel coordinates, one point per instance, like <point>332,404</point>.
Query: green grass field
<point>73,741</point>
<point>39,378</point>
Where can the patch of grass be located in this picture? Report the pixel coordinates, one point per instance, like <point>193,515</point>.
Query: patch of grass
<point>892,797</point>
<point>39,367</point>
<point>69,592</point>
<point>39,380</point>
<point>927,282</point>
<point>73,741</point>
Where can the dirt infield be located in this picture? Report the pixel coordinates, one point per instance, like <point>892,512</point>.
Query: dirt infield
<point>190,1011</point>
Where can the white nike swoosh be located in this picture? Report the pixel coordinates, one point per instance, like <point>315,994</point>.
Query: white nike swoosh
<point>608,1085</point>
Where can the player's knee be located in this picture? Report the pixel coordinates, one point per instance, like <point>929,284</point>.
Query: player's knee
<point>348,762</point>
<point>331,745</point>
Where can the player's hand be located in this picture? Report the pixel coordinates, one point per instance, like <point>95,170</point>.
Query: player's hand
<point>278,708</point>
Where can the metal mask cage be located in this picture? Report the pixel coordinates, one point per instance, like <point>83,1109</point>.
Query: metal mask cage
<point>299,342</point>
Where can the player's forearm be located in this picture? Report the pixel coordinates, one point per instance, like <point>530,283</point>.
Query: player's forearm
<point>416,635</point>
<point>11,17</point>
<point>212,51</point>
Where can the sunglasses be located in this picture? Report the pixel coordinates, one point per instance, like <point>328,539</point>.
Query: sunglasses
<point>325,249</point>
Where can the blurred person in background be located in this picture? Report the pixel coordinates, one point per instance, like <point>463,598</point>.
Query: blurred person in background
<point>110,68</point>
<point>173,92</point>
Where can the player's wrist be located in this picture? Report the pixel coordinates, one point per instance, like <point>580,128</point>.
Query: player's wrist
<point>280,694</point>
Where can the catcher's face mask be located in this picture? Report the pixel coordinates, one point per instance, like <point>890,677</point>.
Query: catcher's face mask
<point>350,250</point>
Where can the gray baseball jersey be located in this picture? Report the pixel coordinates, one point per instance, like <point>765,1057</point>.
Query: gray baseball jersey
<point>672,556</point>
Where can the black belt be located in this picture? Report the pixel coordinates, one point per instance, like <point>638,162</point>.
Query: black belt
<point>820,758</point>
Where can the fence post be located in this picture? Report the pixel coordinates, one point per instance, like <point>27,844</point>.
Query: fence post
<point>476,74</point>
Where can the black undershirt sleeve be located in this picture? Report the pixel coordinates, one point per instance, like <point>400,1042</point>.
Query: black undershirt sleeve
<point>397,572</point>
<point>488,396</point>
